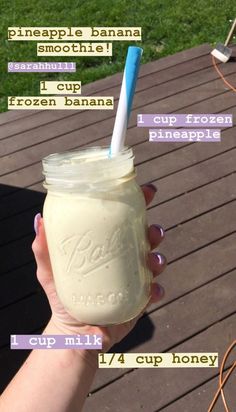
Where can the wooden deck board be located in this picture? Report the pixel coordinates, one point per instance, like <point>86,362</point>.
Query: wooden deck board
<point>31,156</point>
<point>219,258</point>
<point>165,326</point>
<point>152,389</point>
<point>110,81</point>
<point>33,173</point>
<point>79,124</point>
<point>202,397</point>
<point>147,84</point>
<point>174,184</point>
<point>195,204</point>
<point>201,229</point>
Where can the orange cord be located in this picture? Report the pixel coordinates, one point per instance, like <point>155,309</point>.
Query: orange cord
<point>221,75</point>
<point>221,374</point>
<point>222,382</point>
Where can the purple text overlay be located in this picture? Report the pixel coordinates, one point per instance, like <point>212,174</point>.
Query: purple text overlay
<point>185,120</point>
<point>183,135</point>
<point>56,341</point>
<point>41,67</point>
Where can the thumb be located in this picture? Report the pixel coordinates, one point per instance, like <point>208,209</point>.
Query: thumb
<point>40,250</point>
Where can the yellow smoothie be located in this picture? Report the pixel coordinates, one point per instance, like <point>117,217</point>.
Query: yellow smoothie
<point>95,222</point>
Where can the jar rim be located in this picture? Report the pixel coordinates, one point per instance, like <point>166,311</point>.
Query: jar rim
<point>87,165</point>
<point>59,157</point>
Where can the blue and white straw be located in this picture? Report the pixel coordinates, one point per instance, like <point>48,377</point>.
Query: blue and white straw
<point>126,98</point>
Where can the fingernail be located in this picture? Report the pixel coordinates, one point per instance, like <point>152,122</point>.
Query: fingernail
<point>153,187</point>
<point>160,291</point>
<point>161,258</point>
<point>36,223</point>
<point>161,230</point>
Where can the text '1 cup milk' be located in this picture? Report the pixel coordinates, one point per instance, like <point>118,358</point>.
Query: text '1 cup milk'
<point>95,222</point>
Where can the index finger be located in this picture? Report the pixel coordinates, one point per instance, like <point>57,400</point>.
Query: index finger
<point>149,191</point>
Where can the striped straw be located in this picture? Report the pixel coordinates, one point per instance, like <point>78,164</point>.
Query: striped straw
<point>126,98</point>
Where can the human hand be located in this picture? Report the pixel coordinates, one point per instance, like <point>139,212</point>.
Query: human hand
<point>61,321</point>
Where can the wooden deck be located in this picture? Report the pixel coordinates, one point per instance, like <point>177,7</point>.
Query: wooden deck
<point>196,204</point>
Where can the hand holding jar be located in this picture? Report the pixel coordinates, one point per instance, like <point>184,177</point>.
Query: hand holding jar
<point>65,323</point>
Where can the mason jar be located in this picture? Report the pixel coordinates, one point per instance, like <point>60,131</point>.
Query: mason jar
<point>95,222</point>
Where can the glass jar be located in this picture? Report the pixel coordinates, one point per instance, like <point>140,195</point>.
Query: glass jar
<point>95,223</point>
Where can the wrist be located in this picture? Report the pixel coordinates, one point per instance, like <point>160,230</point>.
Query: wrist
<point>87,357</point>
